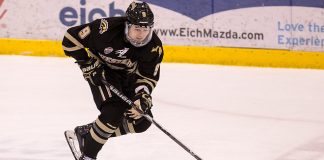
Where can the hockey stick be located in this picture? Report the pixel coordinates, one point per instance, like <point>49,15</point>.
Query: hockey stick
<point>149,118</point>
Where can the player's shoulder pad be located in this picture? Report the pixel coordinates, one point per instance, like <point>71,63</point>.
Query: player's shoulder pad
<point>107,24</point>
<point>153,51</point>
<point>155,46</point>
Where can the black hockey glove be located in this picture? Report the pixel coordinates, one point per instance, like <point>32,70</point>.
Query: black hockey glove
<point>92,70</point>
<point>144,102</point>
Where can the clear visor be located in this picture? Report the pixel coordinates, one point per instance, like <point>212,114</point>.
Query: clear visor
<point>138,36</point>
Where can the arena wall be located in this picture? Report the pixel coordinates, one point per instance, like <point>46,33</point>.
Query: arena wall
<point>280,33</point>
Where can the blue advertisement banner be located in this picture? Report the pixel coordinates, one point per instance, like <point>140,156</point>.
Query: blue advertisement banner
<point>197,9</point>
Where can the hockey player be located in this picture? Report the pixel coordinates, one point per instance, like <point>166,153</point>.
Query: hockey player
<point>126,53</point>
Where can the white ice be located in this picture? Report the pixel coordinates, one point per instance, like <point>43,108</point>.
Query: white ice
<point>220,112</point>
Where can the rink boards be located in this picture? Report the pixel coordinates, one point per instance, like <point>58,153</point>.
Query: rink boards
<point>189,54</point>
<point>279,33</point>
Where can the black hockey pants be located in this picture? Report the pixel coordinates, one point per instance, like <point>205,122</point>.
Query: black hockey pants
<point>112,121</point>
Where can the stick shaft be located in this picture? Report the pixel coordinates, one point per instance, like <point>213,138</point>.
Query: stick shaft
<point>149,118</point>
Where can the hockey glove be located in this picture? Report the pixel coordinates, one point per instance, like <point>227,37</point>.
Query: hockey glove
<point>92,70</point>
<point>143,101</point>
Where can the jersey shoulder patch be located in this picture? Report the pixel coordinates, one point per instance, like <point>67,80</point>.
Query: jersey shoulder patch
<point>157,49</point>
<point>103,26</point>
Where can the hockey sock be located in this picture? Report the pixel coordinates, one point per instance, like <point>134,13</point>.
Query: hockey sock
<point>128,127</point>
<point>99,134</point>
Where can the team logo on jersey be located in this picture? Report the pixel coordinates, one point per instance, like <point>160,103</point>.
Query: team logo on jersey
<point>157,49</point>
<point>108,50</point>
<point>103,26</point>
<point>121,52</point>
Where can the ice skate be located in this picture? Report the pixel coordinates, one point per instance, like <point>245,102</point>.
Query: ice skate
<point>75,140</point>
<point>81,132</point>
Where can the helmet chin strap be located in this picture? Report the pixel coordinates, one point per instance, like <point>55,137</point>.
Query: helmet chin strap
<point>134,42</point>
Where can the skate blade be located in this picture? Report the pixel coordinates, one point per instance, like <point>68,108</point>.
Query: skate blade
<point>71,139</point>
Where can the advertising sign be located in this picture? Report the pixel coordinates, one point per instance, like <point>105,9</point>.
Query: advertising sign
<point>276,24</point>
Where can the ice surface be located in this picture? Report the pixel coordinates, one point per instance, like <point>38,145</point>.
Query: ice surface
<point>220,112</point>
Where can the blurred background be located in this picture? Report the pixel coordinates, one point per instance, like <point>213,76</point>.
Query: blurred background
<point>240,80</point>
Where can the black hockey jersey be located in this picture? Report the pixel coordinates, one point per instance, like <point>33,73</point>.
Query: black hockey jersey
<point>105,39</point>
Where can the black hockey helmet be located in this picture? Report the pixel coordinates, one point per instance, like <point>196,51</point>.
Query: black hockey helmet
<point>139,13</point>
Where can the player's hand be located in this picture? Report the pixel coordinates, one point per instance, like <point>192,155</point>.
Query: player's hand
<point>143,102</point>
<point>92,70</point>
